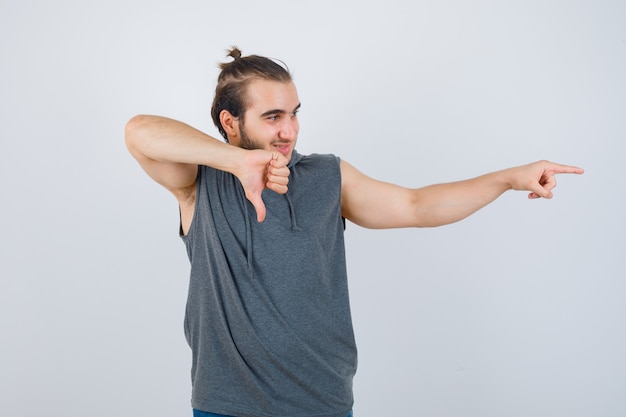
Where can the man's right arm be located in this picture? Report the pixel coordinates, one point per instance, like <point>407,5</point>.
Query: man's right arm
<point>170,152</point>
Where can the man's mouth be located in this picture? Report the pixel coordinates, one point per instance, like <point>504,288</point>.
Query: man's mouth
<point>283,147</point>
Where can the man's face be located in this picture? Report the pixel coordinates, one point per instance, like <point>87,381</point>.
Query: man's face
<point>271,121</point>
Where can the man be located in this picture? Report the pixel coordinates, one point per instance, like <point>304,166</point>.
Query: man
<point>268,317</point>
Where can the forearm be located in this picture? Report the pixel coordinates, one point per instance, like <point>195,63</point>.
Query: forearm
<point>441,204</point>
<point>166,140</point>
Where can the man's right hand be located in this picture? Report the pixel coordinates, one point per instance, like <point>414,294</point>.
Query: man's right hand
<point>259,170</point>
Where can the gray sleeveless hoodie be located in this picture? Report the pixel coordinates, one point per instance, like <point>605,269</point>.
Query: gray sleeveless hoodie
<point>268,317</point>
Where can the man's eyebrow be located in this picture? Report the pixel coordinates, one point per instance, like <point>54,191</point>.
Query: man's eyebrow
<point>279,111</point>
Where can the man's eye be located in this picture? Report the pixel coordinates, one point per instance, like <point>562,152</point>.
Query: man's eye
<point>273,118</point>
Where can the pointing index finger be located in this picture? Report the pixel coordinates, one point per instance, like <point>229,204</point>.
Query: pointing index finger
<point>565,169</point>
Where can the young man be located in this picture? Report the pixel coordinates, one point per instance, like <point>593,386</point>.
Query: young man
<point>268,317</point>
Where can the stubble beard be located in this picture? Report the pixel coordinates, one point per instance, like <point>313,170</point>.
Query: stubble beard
<point>246,142</point>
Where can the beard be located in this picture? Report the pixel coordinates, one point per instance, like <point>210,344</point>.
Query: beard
<point>247,142</point>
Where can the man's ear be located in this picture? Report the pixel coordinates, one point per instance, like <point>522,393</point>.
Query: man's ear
<point>230,124</point>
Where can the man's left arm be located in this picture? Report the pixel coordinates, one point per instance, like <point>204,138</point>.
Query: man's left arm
<point>379,205</point>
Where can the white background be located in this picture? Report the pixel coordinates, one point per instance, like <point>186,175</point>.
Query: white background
<point>516,311</point>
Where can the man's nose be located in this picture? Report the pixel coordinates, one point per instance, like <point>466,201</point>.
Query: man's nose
<point>289,129</point>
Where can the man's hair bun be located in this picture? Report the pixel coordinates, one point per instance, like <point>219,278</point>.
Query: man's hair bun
<point>234,53</point>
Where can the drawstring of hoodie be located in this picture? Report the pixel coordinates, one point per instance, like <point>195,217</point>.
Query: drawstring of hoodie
<point>295,158</point>
<point>292,217</point>
<point>292,214</point>
<point>248,236</point>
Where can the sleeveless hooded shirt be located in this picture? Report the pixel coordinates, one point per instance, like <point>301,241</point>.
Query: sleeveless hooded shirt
<point>268,316</point>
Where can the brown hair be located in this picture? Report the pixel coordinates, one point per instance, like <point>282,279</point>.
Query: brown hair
<point>230,93</point>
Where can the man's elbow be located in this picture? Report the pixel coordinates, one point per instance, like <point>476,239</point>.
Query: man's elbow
<point>132,131</point>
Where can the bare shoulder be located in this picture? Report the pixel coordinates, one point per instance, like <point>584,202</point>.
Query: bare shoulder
<point>353,180</point>
<point>372,203</point>
<point>353,187</point>
<point>349,174</point>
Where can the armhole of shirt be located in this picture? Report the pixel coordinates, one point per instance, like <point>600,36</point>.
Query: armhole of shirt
<point>195,210</point>
<point>343,219</point>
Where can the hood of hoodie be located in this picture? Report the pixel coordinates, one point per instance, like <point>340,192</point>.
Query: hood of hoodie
<point>295,158</point>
